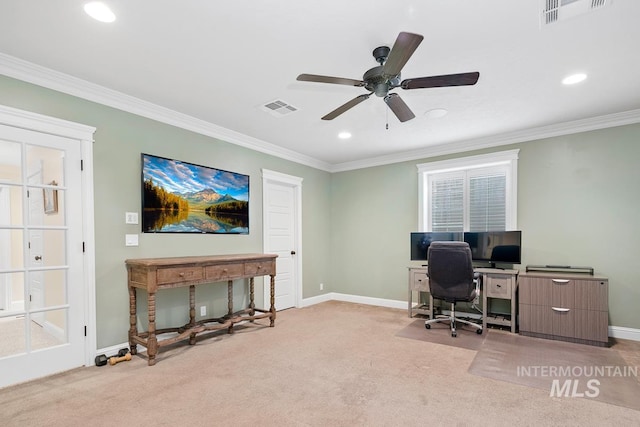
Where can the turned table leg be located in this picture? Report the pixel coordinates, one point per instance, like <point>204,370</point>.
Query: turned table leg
<point>252,306</point>
<point>133,330</point>
<point>272,309</point>
<point>152,341</point>
<point>230,303</point>
<point>192,312</point>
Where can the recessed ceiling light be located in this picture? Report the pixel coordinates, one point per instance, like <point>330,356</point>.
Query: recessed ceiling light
<point>344,135</point>
<point>574,78</point>
<point>436,113</point>
<point>99,11</point>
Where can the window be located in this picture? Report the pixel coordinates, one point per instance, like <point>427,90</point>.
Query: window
<point>477,193</point>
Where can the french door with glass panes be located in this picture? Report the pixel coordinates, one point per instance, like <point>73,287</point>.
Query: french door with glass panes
<point>42,303</point>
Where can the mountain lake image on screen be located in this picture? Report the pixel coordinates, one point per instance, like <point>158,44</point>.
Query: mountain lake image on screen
<point>181,197</point>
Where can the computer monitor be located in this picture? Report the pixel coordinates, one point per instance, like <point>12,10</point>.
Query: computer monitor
<point>495,247</point>
<point>420,242</point>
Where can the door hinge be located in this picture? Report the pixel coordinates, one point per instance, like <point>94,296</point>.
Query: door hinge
<point>85,330</point>
<point>81,165</point>
<point>83,247</point>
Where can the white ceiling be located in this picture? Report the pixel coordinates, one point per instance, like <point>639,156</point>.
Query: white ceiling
<point>217,62</point>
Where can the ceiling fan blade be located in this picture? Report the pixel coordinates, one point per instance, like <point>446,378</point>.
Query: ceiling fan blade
<point>402,49</point>
<point>341,109</point>
<point>399,108</point>
<point>463,79</point>
<point>328,79</point>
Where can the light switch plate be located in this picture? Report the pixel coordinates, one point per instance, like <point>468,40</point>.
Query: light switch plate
<point>131,240</point>
<point>131,217</point>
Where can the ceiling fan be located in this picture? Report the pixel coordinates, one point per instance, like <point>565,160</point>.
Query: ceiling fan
<point>386,77</point>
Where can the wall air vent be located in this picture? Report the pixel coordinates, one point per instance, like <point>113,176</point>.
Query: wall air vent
<point>559,10</point>
<point>278,108</point>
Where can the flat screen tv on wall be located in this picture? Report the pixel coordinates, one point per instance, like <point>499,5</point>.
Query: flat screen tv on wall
<point>181,197</point>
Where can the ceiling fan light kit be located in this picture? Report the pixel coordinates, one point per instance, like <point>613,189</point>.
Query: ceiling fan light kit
<point>385,77</point>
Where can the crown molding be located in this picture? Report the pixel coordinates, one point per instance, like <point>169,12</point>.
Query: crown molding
<point>526,135</point>
<point>23,70</point>
<point>31,73</point>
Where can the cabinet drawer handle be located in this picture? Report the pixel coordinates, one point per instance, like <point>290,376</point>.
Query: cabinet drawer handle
<point>561,310</point>
<point>560,280</point>
<point>181,274</point>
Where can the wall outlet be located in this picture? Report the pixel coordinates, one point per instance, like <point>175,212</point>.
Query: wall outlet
<point>321,286</point>
<point>203,310</point>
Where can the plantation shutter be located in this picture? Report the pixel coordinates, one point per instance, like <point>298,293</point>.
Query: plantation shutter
<point>487,202</point>
<point>447,203</point>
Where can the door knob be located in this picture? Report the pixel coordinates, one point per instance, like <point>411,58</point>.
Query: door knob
<point>38,257</point>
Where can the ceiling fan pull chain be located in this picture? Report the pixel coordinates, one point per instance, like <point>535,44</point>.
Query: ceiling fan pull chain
<point>386,110</point>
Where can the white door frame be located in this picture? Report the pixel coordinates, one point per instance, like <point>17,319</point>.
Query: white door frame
<point>39,123</point>
<point>269,176</point>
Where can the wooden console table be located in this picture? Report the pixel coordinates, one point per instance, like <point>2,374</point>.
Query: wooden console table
<point>153,274</point>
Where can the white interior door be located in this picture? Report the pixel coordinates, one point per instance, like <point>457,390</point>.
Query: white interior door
<point>281,222</point>
<point>45,329</point>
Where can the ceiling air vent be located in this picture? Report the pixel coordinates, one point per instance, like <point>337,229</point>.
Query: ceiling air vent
<point>559,10</point>
<point>278,108</point>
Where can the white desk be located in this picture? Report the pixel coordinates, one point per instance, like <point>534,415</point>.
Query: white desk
<point>496,283</point>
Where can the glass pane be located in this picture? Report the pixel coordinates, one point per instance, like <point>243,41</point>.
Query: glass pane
<point>49,329</point>
<point>10,162</point>
<point>47,248</point>
<point>10,205</point>
<point>12,331</point>
<point>49,162</point>
<point>11,255</point>
<point>11,294</point>
<point>47,289</point>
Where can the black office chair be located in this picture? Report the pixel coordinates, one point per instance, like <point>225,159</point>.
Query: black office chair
<point>451,278</point>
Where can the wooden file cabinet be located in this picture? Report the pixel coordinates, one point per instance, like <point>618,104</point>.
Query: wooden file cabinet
<point>564,306</point>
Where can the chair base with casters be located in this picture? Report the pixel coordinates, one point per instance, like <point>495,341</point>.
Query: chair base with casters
<point>453,319</point>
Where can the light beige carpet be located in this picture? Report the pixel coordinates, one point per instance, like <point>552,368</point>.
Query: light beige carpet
<point>331,364</point>
<point>563,369</point>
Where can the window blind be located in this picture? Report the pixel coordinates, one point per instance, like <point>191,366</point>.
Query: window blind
<point>487,202</point>
<point>447,203</point>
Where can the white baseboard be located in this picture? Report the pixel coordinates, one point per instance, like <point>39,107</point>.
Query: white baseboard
<point>624,333</point>
<point>614,331</point>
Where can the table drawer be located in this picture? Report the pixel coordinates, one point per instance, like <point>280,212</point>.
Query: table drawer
<point>217,273</point>
<point>259,268</point>
<point>179,274</point>
<point>498,287</point>
<point>419,282</point>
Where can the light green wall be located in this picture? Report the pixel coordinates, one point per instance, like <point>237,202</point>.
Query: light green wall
<point>119,140</point>
<point>356,224</point>
<point>578,204</point>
